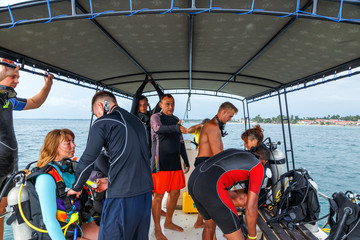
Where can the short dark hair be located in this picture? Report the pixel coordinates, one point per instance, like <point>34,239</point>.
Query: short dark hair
<point>103,95</point>
<point>142,97</point>
<point>263,152</point>
<point>166,95</point>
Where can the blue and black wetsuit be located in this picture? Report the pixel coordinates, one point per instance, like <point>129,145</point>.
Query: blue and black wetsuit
<point>127,208</point>
<point>8,143</point>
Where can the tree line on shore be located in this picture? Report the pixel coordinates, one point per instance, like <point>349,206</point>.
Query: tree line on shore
<point>295,119</point>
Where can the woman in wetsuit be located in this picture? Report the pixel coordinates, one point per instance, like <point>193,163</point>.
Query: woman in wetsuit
<point>58,146</point>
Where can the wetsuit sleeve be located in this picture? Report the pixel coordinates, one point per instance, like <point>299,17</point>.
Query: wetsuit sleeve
<point>18,103</point>
<point>159,128</point>
<point>256,178</point>
<point>160,94</point>
<point>183,152</point>
<point>46,189</point>
<point>135,103</point>
<point>92,151</point>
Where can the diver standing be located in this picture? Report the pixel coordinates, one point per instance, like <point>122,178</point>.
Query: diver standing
<point>9,78</point>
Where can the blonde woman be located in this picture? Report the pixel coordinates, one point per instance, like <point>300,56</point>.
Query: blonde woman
<point>55,169</point>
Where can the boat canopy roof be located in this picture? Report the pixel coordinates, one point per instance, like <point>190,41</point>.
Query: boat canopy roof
<point>247,49</point>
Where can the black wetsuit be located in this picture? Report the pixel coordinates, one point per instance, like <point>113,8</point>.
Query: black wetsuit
<point>8,143</point>
<point>145,118</point>
<point>124,138</point>
<point>211,179</point>
<point>167,143</point>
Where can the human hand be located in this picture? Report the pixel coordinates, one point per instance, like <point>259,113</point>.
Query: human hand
<point>102,184</point>
<point>183,129</point>
<point>72,192</point>
<point>186,169</point>
<point>48,79</point>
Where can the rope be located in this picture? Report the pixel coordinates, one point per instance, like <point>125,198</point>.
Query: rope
<point>171,8</point>
<point>50,16</point>
<point>206,10</point>
<point>12,18</point>
<point>251,11</point>
<point>188,107</point>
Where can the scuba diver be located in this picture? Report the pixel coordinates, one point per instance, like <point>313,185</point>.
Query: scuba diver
<point>140,104</point>
<point>52,175</point>
<point>210,183</point>
<point>9,79</point>
<point>253,137</point>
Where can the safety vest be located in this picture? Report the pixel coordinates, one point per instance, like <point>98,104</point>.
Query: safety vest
<point>65,205</point>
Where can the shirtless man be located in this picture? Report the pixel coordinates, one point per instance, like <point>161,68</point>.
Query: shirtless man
<point>210,144</point>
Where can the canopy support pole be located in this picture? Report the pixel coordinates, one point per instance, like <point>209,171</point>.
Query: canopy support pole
<point>287,148</point>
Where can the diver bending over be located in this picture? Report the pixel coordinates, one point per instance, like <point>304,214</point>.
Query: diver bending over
<point>209,186</point>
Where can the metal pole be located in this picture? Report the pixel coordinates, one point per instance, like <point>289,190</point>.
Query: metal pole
<point>283,131</point>
<point>73,7</point>
<point>289,128</point>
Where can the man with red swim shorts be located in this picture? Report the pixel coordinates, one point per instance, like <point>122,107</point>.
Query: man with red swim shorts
<point>209,186</point>
<point>168,176</point>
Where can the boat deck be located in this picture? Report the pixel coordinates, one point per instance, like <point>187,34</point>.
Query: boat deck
<point>186,221</point>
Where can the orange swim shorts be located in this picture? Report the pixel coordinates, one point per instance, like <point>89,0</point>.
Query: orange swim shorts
<point>164,181</point>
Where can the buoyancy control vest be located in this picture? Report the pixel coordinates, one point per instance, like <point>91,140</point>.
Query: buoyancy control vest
<point>347,222</point>
<point>65,205</point>
<point>299,202</point>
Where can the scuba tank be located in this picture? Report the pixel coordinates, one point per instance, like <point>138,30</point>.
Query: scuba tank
<point>278,167</point>
<point>20,229</point>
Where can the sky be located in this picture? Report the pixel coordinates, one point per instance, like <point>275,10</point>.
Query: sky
<point>73,102</point>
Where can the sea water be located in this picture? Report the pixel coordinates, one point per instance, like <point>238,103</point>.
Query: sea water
<point>330,153</point>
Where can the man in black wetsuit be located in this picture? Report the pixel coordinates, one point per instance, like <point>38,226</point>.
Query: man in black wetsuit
<point>140,104</point>
<point>9,78</point>
<point>168,176</point>
<point>127,208</point>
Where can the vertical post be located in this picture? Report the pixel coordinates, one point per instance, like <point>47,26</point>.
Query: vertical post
<point>314,9</point>
<point>289,129</point>
<point>246,114</point>
<point>283,131</point>
<point>73,7</point>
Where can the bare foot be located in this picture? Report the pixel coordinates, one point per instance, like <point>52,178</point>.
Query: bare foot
<point>163,213</point>
<point>172,226</point>
<point>199,224</point>
<point>159,235</point>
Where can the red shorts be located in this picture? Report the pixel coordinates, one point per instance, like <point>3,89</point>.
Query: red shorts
<point>165,181</point>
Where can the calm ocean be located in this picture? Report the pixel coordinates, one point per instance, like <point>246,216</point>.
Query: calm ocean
<point>330,153</point>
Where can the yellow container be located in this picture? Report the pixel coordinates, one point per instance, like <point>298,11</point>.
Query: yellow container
<point>188,204</point>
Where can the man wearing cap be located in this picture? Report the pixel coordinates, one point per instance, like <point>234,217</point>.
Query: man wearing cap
<point>9,79</point>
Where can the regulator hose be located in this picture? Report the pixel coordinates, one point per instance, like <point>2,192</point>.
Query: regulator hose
<point>74,217</point>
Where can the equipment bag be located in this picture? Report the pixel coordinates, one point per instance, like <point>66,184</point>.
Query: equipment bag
<point>347,222</point>
<point>299,202</point>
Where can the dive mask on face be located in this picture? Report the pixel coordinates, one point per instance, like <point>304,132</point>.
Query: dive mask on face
<point>221,126</point>
<point>7,63</point>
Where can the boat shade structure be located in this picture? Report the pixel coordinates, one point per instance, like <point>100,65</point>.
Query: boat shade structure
<point>246,49</point>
